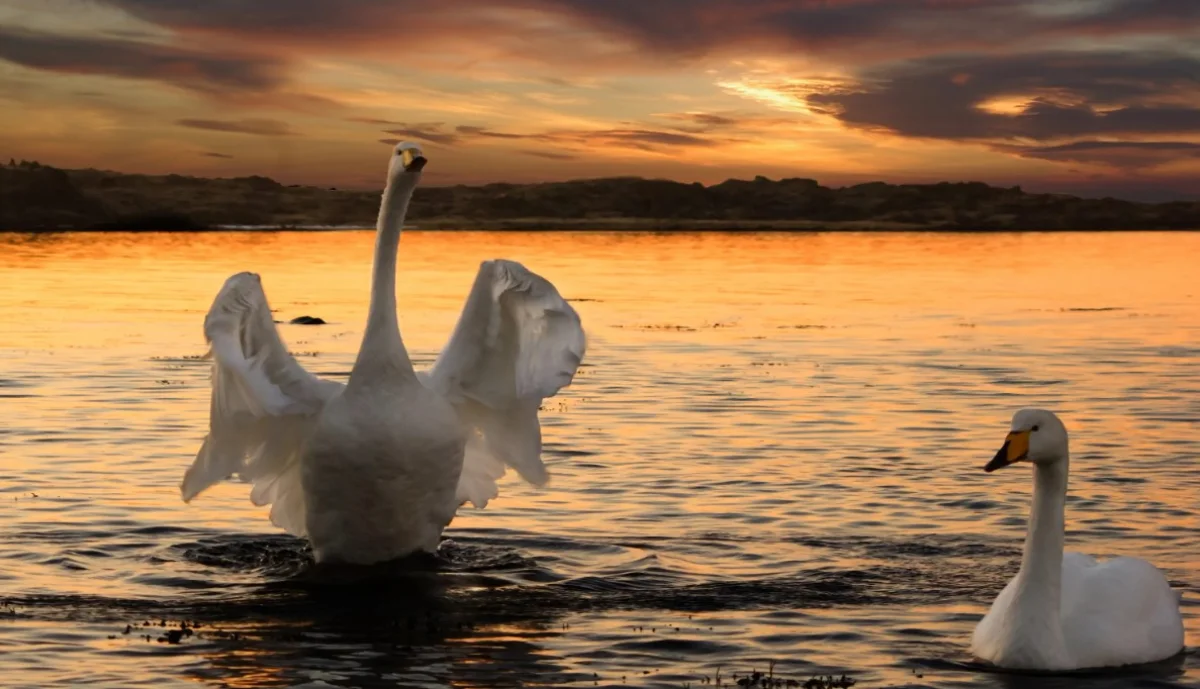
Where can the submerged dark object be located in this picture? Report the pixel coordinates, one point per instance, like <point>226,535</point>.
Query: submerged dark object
<point>307,320</point>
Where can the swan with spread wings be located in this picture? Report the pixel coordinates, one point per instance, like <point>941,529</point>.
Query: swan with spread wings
<point>375,469</point>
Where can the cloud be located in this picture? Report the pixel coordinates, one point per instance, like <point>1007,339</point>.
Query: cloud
<point>415,30</point>
<point>256,127</point>
<point>1128,155</point>
<point>671,29</point>
<point>645,138</point>
<point>467,130</point>
<point>198,71</point>
<point>701,122</point>
<point>551,155</point>
<point>867,29</point>
<point>431,132</point>
<point>374,120</point>
<point>711,121</point>
<point>637,138</point>
<point>1039,96</point>
<point>287,19</point>
<point>212,154</point>
<point>629,138</point>
<point>1133,16</point>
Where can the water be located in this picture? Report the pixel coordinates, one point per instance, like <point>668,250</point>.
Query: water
<point>773,453</point>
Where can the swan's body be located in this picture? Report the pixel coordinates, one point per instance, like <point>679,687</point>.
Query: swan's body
<point>375,469</point>
<point>380,471</point>
<point>1067,611</point>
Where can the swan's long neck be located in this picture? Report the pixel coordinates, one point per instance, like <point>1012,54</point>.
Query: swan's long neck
<point>382,354</point>
<point>1037,597</point>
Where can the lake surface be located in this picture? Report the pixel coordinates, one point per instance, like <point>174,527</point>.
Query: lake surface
<point>773,453</point>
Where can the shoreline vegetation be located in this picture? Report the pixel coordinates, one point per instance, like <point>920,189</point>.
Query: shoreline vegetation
<point>38,198</point>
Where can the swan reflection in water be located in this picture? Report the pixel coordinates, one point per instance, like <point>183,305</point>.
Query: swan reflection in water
<point>393,623</point>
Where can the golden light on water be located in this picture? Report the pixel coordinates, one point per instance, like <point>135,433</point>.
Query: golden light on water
<point>753,408</point>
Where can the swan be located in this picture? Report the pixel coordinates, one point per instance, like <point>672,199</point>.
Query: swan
<point>376,468</point>
<point>1067,611</point>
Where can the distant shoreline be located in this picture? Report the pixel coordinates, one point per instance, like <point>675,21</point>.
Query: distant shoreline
<point>584,225</point>
<point>572,225</point>
<point>40,198</point>
<point>526,225</point>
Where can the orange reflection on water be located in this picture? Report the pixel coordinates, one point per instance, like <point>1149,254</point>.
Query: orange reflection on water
<point>752,408</point>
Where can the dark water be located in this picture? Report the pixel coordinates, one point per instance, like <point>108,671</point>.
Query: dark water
<point>772,459</point>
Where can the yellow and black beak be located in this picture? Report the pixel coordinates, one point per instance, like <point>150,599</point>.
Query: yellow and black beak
<point>412,159</point>
<point>1015,449</point>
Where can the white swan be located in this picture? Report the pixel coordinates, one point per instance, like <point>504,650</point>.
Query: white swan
<point>1066,611</point>
<point>375,469</point>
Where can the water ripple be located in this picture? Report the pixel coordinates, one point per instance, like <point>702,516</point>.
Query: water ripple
<point>784,466</point>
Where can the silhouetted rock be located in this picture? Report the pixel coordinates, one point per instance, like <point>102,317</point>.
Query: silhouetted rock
<point>307,320</point>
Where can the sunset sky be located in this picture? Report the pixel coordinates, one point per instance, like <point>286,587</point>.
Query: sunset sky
<point>1086,96</point>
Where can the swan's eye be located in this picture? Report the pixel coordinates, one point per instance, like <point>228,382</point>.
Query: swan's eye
<point>1034,428</point>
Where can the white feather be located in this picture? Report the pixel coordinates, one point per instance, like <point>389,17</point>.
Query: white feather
<point>517,342</point>
<point>263,402</point>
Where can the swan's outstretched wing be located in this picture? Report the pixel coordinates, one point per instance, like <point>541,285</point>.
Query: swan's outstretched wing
<point>263,402</point>
<point>517,342</point>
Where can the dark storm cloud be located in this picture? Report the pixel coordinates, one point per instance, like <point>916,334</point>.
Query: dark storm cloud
<point>1130,155</point>
<point>1128,16</point>
<point>692,27</point>
<point>675,27</point>
<point>706,26</point>
<point>878,26</point>
<point>1065,94</point>
<point>289,18</point>
<point>184,68</point>
<point>256,127</point>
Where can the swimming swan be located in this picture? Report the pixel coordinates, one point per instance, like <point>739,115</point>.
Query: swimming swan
<point>376,468</point>
<point>1066,611</point>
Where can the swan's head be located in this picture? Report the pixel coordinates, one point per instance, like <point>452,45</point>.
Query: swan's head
<point>406,164</point>
<point>1036,436</point>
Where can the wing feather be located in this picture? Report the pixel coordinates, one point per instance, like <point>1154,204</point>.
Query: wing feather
<point>263,402</point>
<point>517,342</point>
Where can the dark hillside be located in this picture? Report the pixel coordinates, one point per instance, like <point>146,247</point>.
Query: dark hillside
<point>34,196</point>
